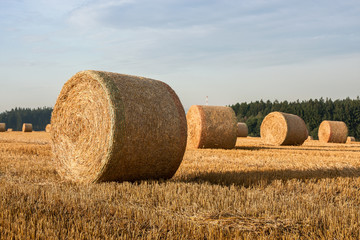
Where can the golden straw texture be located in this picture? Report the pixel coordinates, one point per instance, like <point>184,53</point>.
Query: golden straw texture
<point>48,128</point>
<point>27,127</point>
<point>114,127</point>
<point>211,127</point>
<point>2,127</point>
<point>10,130</point>
<point>333,132</point>
<point>242,129</point>
<point>350,140</point>
<point>280,128</point>
<point>309,138</point>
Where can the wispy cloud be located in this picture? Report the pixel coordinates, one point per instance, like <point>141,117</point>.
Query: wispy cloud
<point>194,43</point>
<point>283,31</point>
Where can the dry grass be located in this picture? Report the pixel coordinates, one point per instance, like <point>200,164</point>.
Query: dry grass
<point>98,136</point>
<point>280,128</point>
<point>211,127</point>
<point>48,128</point>
<point>242,129</point>
<point>333,132</point>
<point>27,127</point>
<point>2,127</point>
<point>253,191</point>
<point>350,139</point>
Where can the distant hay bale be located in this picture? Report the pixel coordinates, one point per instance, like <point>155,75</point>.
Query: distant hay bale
<point>48,128</point>
<point>242,129</point>
<point>2,127</point>
<point>211,127</point>
<point>10,130</point>
<point>333,132</point>
<point>280,128</point>
<point>350,140</point>
<point>310,138</point>
<point>114,127</point>
<point>27,127</point>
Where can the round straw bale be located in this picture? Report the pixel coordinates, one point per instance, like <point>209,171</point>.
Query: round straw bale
<point>310,138</point>
<point>280,128</point>
<point>10,130</point>
<point>27,127</point>
<point>113,127</point>
<point>242,129</point>
<point>211,127</point>
<point>333,131</point>
<point>2,127</point>
<point>350,140</point>
<point>48,128</point>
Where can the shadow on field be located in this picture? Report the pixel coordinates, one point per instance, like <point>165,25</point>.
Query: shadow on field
<point>251,178</point>
<point>251,148</point>
<point>300,148</point>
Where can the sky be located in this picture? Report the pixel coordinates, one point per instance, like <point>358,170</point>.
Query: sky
<point>229,50</point>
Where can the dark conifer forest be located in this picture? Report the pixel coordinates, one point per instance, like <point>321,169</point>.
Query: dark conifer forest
<point>313,112</point>
<point>15,118</point>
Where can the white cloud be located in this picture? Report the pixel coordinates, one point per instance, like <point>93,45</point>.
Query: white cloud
<point>196,45</point>
<point>88,15</point>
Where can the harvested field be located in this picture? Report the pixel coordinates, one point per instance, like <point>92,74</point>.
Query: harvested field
<point>252,191</point>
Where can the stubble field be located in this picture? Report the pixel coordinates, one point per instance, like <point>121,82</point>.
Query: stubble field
<point>253,191</point>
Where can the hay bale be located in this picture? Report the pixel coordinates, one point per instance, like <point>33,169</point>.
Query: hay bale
<point>2,127</point>
<point>114,127</point>
<point>48,128</point>
<point>27,127</point>
<point>310,138</point>
<point>350,140</point>
<point>10,130</point>
<point>211,127</point>
<point>280,128</point>
<point>242,129</point>
<point>333,131</point>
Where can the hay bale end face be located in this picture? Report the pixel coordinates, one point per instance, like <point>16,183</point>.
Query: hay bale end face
<point>114,127</point>
<point>242,129</point>
<point>332,132</point>
<point>350,140</point>
<point>48,128</point>
<point>211,127</point>
<point>27,127</point>
<point>2,127</point>
<point>280,128</point>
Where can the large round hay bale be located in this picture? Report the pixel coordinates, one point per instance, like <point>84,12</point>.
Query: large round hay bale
<point>211,127</point>
<point>332,132</point>
<point>27,127</point>
<point>48,128</point>
<point>350,140</point>
<point>242,129</point>
<point>280,128</point>
<point>2,127</point>
<point>114,127</point>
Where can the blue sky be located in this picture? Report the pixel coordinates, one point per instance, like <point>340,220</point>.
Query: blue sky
<point>232,51</point>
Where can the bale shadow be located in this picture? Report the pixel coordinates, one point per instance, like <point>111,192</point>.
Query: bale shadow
<point>251,148</point>
<point>254,178</point>
<point>299,148</point>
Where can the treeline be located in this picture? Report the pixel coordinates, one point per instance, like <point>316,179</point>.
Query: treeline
<point>313,112</point>
<point>15,118</point>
